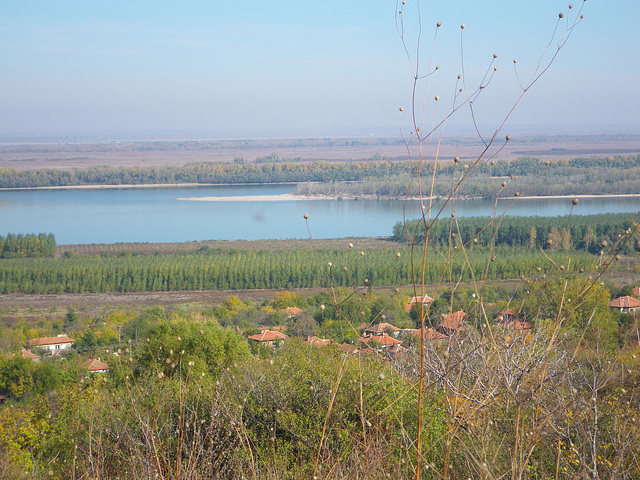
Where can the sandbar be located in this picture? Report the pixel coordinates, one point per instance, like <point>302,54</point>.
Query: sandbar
<point>294,197</point>
<point>284,197</point>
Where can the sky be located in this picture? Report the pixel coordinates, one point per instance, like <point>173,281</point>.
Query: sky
<point>256,68</point>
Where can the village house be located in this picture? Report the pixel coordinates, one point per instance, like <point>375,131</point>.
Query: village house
<point>317,342</point>
<point>451,323</point>
<point>30,355</point>
<point>269,338</point>
<point>506,316</point>
<point>348,348</point>
<point>383,341</point>
<point>54,345</point>
<point>95,365</point>
<point>517,325</point>
<point>380,328</point>
<point>425,300</point>
<point>292,312</point>
<point>625,304</point>
<point>429,334</point>
<point>397,352</point>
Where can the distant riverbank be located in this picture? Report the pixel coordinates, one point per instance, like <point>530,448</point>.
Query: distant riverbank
<point>287,197</point>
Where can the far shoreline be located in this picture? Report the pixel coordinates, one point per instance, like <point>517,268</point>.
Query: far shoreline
<point>288,197</point>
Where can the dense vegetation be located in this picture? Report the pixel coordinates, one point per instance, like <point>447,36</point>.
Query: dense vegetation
<point>525,176</point>
<point>187,398</point>
<point>376,176</point>
<point>27,245</point>
<point>205,172</point>
<point>236,270</point>
<point>589,232</point>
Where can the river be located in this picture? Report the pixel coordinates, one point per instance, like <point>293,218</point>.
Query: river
<point>81,216</point>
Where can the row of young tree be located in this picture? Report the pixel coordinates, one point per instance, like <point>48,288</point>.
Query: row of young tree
<point>592,233</point>
<point>27,245</point>
<point>266,269</point>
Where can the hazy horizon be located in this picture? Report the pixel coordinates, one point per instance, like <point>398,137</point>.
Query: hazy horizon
<point>274,70</point>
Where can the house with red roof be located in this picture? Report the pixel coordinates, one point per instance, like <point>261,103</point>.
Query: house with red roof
<point>53,344</point>
<point>380,328</point>
<point>429,334</point>
<point>451,323</point>
<point>383,340</point>
<point>425,300</point>
<point>292,311</point>
<point>516,325</point>
<point>347,348</point>
<point>29,354</point>
<point>506,316</point>
<point>636,292</point>
<point>625,304</point>
<point>317,342</point>
<point>269,338</point>
<point>396,352</point>
<point>95,365</point>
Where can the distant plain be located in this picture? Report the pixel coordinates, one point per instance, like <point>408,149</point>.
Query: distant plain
<point>73,153</point>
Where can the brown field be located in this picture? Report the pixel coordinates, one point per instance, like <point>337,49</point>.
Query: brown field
<point>154,153</point>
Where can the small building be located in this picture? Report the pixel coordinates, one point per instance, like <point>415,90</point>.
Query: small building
<point>317,342</point>
<point>451,323</point>
<point>516,325</point>
<point>95,365</point>
<point>383,340</point>
<point>423,299</point>
<point>25,353</point>
<point>292,312</point>
<point>625,304</point>
<point>348,348</point>
<point>396,352</point>
<point>380,328</point>
<point>53,344</point>
<point>506,316</point>
<point>269,338</point>
<point>636,292</point>
<point>429,334</point>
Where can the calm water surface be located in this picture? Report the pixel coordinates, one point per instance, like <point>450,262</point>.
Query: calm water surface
<point>154,214</point>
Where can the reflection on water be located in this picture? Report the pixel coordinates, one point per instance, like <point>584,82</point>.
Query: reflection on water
<point>153,214</point>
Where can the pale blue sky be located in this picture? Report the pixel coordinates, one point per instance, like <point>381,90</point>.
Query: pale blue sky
<point>258,68</point>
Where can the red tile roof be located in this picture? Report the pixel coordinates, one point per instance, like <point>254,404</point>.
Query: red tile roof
<point>384,340</point>
<point>381,328</point>
<point>515,325</point>
<point>452,321</point>
<point>268,336</point>
<point>96,365</point>
<point>29,354</point>
<point>421,299</point>
<point>624,302</point>
<point>292,310</point>
<point>636,291</point>
<point>43,341</point>
<point>429,334</point>
<point>348,348</point>
<point>318,342</point>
